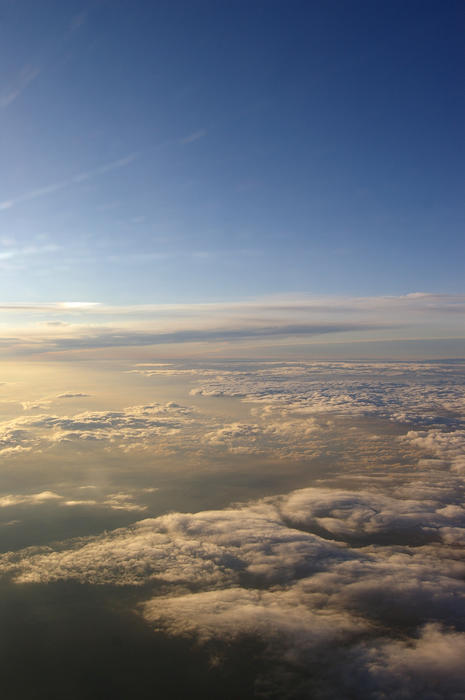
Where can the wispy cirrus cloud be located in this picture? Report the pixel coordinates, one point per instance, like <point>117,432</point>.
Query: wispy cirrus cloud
<point>68,339</point>
<point>25,77</point>
<point>195,136</point>
<point>287,305</point>
<point>30,72</point>
<point>120,337</point>
<point>86,325</point>
<point>106,168</point>
<point>26,251</point>
<point>75,180</point>
<point>48,307</point>
<point>78,21</point>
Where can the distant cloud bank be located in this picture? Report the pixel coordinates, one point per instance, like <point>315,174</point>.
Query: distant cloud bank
<point>293,324</point>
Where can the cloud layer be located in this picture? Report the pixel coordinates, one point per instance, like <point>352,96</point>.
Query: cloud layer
<point>354,585</point>
<point>251,324</point>
<point>259,569</point>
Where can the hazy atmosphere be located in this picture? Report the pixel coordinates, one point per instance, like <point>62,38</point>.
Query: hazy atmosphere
<point>232,350</point>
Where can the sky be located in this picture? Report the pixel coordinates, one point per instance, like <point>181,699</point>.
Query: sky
<point>176,152</point>
<point>232,349</point>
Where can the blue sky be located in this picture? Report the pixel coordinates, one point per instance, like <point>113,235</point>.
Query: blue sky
<point>173,152</point>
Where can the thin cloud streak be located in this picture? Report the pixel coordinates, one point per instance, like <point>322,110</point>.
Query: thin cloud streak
<point>28,250</point>
<point>30,72</point>
<point>77,179</point>
<point>99,326</point>
<point>87,338</point>
<point>121,338</point>
<point>195,136</point>
<point>108,167</point>
<point>26,76</point>
<point>417,302</point>
<point>45,307</point>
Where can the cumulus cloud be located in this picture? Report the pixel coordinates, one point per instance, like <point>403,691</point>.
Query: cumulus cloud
<point>14,438</point>
<point>273,540</point>
<point>364,514</point>
<point>35,405</point>
<point>113,501</point>
<point>429,666</point>
<point>236,437</point>
<point>449,446</point>
<point>292,408</point>
<point>312,388</point>
<point>278,616</point>
<point>135,427</point>
<point>259,569</point>
<point>361,583</point>
<point>32,498</point>
<point>163,428</point>
<point>211,545</point>
<point>46,401</point>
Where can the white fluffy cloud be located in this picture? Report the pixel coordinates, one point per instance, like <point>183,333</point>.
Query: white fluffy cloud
<point>362,573</point>
<point>447,446</point>
<point>429,666</point>
<point>29,499</point>
<point>114,501</point>
<point>134,427</point>
<point>292,408</point>
<point>363,513</point>
<point>259,569</point>
<point>305,389</point>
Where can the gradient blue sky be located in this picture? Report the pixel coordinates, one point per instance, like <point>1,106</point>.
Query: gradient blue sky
<point>175,151</point>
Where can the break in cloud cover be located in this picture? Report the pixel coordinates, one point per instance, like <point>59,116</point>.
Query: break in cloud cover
<point>232,347</point>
